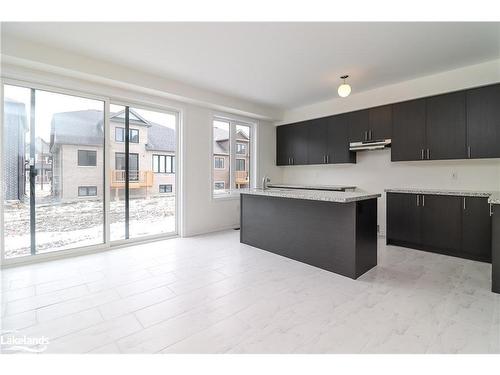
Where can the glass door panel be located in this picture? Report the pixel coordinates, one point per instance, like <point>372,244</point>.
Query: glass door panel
<point>60,172</point>
<point>143,200</point>
<point>16,170</point>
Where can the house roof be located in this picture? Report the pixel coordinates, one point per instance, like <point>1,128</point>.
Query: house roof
<point>221,140</point>
<point>86,128</point>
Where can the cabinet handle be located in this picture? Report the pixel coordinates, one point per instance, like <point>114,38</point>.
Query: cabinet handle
<point>422,154</point>
<point>324,159</point>
<point>418,200</point>
<point>293,160</point>
<point>464,203</point>
<point>370,135</point>
<point>366,135</point>
<point>468,152</point>
<point>327,158</point>
<point>428,154</point>
<point>423,200</point>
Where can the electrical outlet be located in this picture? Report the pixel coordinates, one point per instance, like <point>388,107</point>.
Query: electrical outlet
<point>454,175</point>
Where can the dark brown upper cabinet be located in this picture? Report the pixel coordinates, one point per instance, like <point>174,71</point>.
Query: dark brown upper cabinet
<point>446,127</point>
<point>358,125</point>
<point>338,140</point>
<point>317,141</point>
<point>408,131</point>
<point>458,125</point>
<point>291,144</point>
<point>370,124</point>
<point>483,122</point>
<point>380,122</point>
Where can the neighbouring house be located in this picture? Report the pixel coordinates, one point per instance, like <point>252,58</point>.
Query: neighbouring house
<point>15,130</point>
<point>77,146</point>
<point>221,161</point>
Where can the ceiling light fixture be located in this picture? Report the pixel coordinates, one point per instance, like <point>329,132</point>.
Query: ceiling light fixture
<point>344,89</point>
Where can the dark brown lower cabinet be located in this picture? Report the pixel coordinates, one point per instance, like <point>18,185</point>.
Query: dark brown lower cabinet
<point>476,228</point>
<point>445,224</point>
<point>441,223</point>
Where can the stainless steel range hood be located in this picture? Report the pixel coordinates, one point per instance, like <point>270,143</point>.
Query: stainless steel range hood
<point>370,145</point>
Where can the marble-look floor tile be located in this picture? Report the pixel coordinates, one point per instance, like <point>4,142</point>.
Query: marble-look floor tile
<point>211,294</point>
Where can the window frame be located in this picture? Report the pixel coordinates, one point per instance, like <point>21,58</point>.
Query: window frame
<point>122,132</point>
<point>239,143</point>
<point>165,192</point>
<point>87,188</point>
<point>223,162</point>
<point>220,182</point>
<point>251,154</point>
<point>129,135</point>
<point>87,151</point>
<point>168,164</point>
<point>244,165</point>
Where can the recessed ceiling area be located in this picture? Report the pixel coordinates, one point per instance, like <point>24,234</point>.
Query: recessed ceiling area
<point>283,65</point>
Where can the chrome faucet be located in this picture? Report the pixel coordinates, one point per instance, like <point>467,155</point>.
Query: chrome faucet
<point>265,180</point>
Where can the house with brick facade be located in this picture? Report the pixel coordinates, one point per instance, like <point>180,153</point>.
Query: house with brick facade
<point>221,160</point>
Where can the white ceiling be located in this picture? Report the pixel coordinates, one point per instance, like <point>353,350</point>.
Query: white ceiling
<point>279,64</point>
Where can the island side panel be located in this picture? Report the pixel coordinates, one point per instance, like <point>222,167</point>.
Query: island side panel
<point>366,236</point>
<point>319,233</point>
<point>495,250</point>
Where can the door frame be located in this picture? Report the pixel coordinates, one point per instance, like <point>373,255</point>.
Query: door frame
<point>107,244</point>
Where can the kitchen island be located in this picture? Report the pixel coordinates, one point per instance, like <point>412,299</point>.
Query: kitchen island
<point>332,230</point>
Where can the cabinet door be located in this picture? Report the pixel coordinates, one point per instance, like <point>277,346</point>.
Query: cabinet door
<point>283,145</point>
<point>483,122</point>
<point>476,228</point>
<point>446,126</point>
<point>408,130</point>
<point>338,141</point>
<point>358,126</point>
<point>298,142</point>
<point>380,122</point>
<point>317,141</point>
<point>442,223</point>
<point>403,217</point>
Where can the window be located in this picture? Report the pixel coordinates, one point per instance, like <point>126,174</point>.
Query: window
<point>219,185</point>
<point>134,135</point>
<point>241,148</point>
<point>87,191</point>
<point>120,135</point>
<point>87,158</point>
<point>218,162</point>
<point>231,145</point>
<point>166,188</point>
<point>163,164</point>
<point>240,165</point>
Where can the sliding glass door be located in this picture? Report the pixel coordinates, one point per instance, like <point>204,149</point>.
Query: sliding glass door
<point>143,145</point>
<point>53,153</point>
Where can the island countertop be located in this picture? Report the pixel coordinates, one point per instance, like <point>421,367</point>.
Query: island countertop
<point>315,195</point>
<point>313,187</point>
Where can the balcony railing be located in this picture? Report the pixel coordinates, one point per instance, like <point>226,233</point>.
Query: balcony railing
<point>241,179</point>
<point>137,179</point>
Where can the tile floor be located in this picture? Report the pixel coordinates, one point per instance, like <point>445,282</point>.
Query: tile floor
<point>211,294</point>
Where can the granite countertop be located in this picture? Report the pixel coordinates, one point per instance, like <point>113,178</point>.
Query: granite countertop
<point>312,187</point>
<point>462,193</point>
<point>494,198</point>
<point>315,195</point>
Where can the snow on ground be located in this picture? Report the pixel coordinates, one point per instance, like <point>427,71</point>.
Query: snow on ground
<point>68,225</point>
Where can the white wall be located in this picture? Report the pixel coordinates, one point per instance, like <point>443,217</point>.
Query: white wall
<point>374,171</point>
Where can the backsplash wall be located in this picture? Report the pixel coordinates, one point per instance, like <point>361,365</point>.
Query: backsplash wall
<point>375,172</point>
